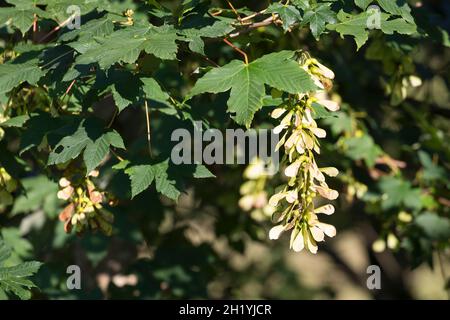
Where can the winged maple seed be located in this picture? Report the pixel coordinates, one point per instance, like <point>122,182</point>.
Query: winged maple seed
<point>294,203</point>
<point>85,209</point>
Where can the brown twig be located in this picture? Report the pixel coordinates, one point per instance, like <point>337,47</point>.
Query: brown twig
<point>255,25</point>
<point>237,49</point>
<point>234,10</point>
<point>254,15</point>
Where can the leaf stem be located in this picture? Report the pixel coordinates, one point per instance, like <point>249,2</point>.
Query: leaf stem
<point>147,116</point>
<point>59,26</point>
<point>234,10</point>
<point>68,88</point>
<point>113,118</point>
<point>237,49</point>
<point>116,155</point>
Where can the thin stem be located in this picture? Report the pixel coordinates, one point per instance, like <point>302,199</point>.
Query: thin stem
<point>210,61</point>
<point>217,13</point>
<point>59,26</point>
<point>237,49</point>
<point>147,116</point>
<point>116,110</point>
<point>57,58</point>
<point>116,155</point>
<point>69,88</point>
<point>234,10</point>
<point>34,23</point>
<point>254,15</point>
<point>255,25</point>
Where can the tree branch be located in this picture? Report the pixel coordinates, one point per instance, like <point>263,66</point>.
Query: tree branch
<point>255,25</point>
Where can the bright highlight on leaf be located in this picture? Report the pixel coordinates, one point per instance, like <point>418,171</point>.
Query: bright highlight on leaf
<point>14,279</point>
<point>247,82</point>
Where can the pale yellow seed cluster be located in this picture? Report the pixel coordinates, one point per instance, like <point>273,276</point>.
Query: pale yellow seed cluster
<point>85,209</point>
<point>7,186</point>
<point>294,204</point>
<point>254,197</point>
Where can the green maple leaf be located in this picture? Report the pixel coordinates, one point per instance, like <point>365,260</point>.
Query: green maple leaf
<point>288,14</point>
<point>14,278</point>
<point>97,150</point>
<point>37,128</point>
<point>302,4</point>
<point>247,82</point>
<point>128,88</point>
<point>353,25</point>
<point>392,6</point>
<point>125,45</point>
<point>57,9</point>
<point>362,148</point>
<point>15,122</point>
<point>153,90</point>
<point>318,18</point>
<point>341,123</point>
<point>20,17</point>
<point>125,87</point>
<point>363,4</point>
<point>397,192</point>
<point>194,36</point>
<point>95,28</point>
<point>356,25</point>
<point>90,138</point>
<point>12,74</point>
<point>434,226</point>
<point>161,42</point>
<point>431,170</point>
<point>142,176</point>
<point>398,25</point>
<point>39,194</point>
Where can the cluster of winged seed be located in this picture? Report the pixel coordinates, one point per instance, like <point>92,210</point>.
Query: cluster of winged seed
<point>294,203</point>
<point>85,209</point>
<point>254,196</point>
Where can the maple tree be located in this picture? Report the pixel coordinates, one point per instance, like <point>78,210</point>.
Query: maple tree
<point>86,114</point>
